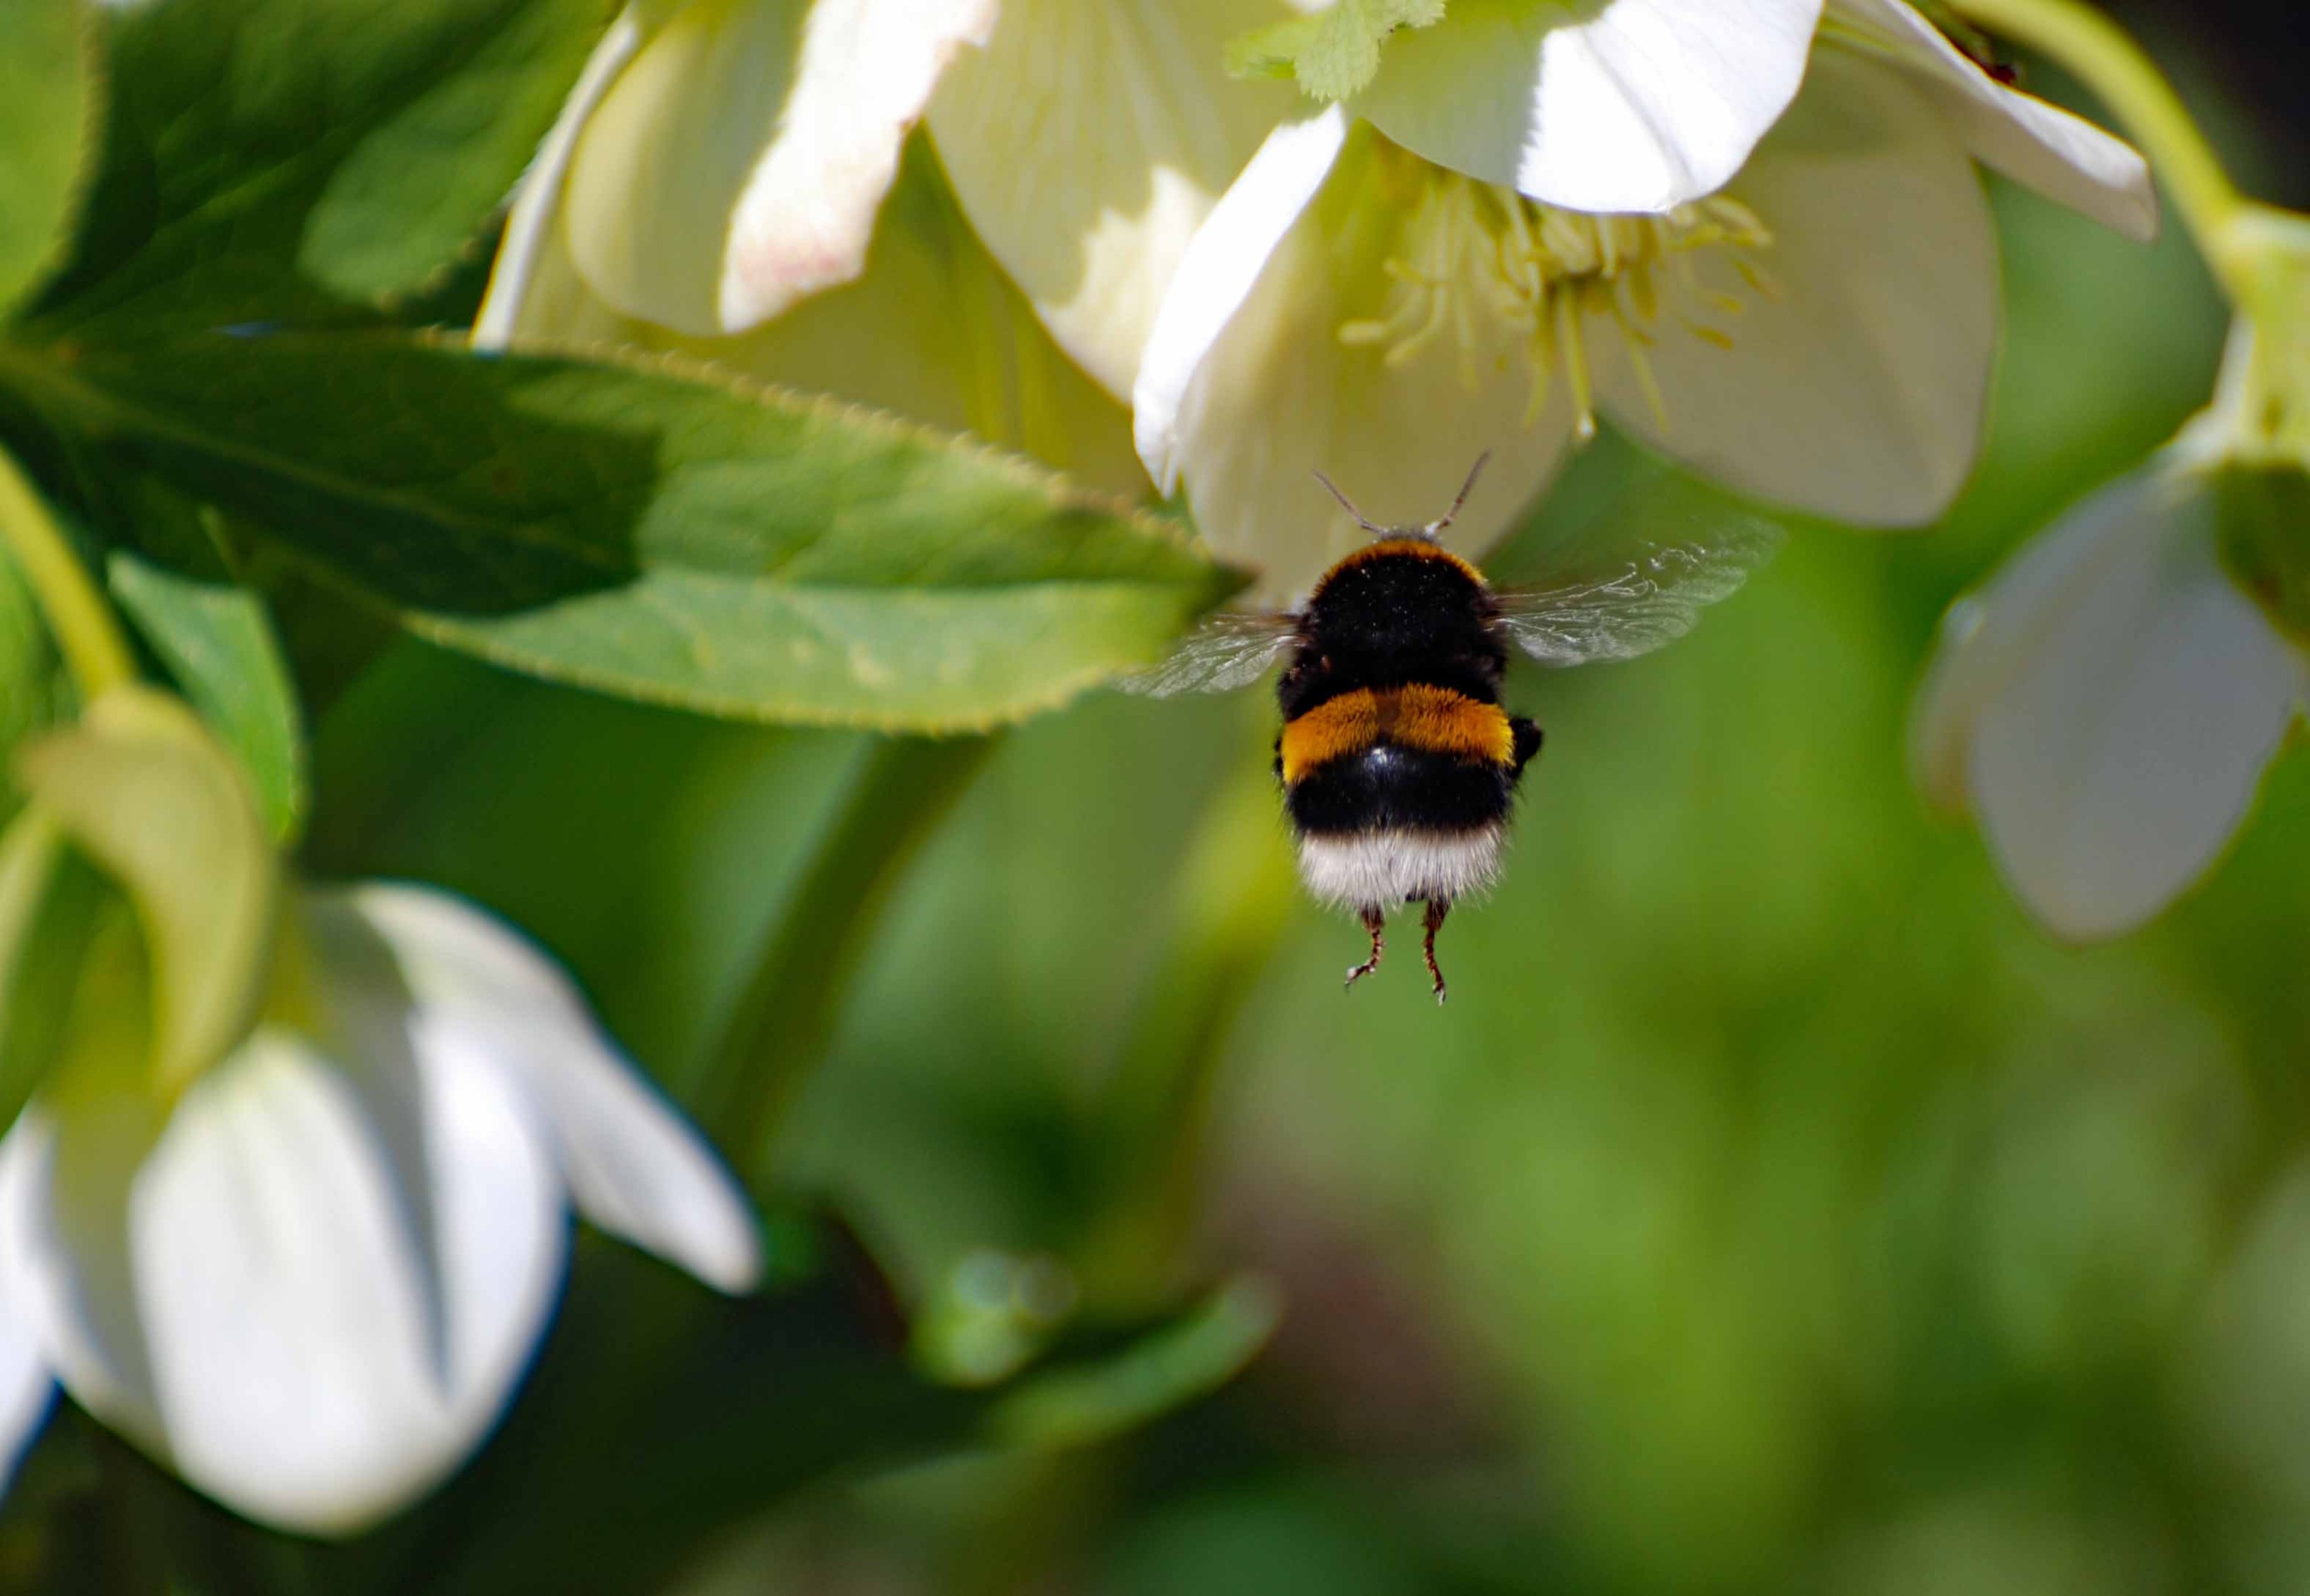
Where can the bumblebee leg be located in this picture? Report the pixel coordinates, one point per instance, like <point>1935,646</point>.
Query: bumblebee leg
<point>1437,907</point>
<point>1375,922</point>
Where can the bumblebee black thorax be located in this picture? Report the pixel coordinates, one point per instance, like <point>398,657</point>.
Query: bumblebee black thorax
<point>1391,701</point>
<point>1397,612</point>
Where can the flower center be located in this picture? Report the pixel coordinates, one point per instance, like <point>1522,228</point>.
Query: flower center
<point>1542,272</point>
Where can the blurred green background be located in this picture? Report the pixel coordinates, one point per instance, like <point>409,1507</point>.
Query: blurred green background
<point>1772,1208</point>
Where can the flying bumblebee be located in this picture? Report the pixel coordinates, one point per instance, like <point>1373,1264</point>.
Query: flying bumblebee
<point>1399,767</point>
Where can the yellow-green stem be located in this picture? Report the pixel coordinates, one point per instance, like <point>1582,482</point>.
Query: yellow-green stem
<point>78,617</point>
<point>2100,55</point>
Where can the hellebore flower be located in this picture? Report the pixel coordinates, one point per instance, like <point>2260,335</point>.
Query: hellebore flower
<point>1632,217</point>
<point>310,1281</point>
<point>2108,704</point>
<point>717,184</point>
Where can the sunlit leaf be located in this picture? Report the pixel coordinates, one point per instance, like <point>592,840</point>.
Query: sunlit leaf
<point>218,643</point>
<point>140,785</point>
<point>49,100</point>
<point>672,536</point>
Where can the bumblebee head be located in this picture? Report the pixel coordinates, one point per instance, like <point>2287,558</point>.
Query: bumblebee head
<point>1428,532</point>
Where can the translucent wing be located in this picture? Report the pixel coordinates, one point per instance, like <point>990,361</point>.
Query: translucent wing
<point>1667,549</point>
<point>1230,649</point>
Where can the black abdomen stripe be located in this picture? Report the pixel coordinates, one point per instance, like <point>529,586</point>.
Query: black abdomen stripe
<point>1388,786</point>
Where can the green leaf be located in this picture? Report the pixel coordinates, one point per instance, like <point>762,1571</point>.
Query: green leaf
<point>673,537</point>
<point>218,644</point>
<point>49,904</point>
<point>35,691</point>
<point>1334,53</point>
<point>48,104</point>
<point>140,785</point>
<point>300,159</point>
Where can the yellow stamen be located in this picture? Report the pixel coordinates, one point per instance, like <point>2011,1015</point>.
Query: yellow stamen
<point>1469,250</point>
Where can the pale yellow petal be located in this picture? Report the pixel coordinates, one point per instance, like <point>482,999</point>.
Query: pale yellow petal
<point>1087,142</point>
<point>1856,378</point>
<point>1276,394</point>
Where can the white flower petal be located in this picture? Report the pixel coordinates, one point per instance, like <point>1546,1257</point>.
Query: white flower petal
<point>1087,142</point>
<point>634,1166</point>
<point>1626,105</point>
<point>867,70</point>
<point>64,1267</point>
<point>1272,394</point>
<point>2123,747</point>
<point>282,1283</point>
<point>2061,156</point>
<point>249,1300</point>
<point>1216,274</point>
<point>657,171</point>
<point>535,222</point>
<point>736,162</point>
<point>1857,388</point>
<point>26,1391</point>
<point>1983,638</point>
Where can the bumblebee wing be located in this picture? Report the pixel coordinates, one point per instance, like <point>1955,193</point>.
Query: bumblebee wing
<point>1651,562</point>
<point>1230,649</point>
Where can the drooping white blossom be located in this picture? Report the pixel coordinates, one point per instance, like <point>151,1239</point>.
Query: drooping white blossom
<point>312,1281</point>
<point>2108,704</point>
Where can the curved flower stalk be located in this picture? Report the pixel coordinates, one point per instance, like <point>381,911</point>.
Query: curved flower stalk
<point>1794,291</point>
<point>731,178</point>
<point>310,1282</point>
<point>2108,703</point>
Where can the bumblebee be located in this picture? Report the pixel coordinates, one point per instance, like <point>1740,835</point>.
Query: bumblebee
<point>1398,764</point>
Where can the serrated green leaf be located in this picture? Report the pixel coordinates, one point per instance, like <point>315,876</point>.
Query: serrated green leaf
<point>140,785</point>
<point>218,643</point>
<point>1334,53</point>
<point>668,537</point>
<point>48,99</point>
<point>297,159</point>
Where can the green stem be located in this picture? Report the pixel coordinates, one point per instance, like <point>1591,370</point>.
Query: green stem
<point>78,617</point>
<point>781,1025</point>
<point>2100,55</point>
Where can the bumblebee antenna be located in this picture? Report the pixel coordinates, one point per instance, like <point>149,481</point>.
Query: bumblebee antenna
<point>1349,505</point>
<point>1466,487</point>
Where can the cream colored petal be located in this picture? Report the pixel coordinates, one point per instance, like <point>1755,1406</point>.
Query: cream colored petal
<point>736,162</point>
<point>1276,395</point>
<point>654,177</point>
<point>532,226</point>
<point>1088,142</point>
<point>1857,376</point>
<point>1983,638</point>
<point>804,220</point>
<point>932,330</point>
<point>2064,157</point>
<point>1610,105</point>
<point>2123,749</point>
<point>282,1279</point>
<point>634,1166</point>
